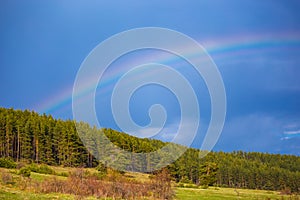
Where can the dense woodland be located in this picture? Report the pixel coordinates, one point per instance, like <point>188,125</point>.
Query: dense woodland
<point>26,136</point>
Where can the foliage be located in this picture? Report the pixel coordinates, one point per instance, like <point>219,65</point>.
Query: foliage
<point>117,188</point>
<point>7,163</point>
<point>25,172</point>
<point>41,169</point>
<point>208,172</point>
<point>102,169</point>
<point>162,184</point>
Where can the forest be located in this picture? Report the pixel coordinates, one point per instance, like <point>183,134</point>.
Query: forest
<point>26,136</point>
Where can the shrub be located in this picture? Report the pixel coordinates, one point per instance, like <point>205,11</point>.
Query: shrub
<point>45,169</point>
<point>190,186</point>
<point>119,188</point>
<point>6,178</point>
<point>161,184</point>
<point>180,185</point>
<point>102,169</point>
<point>42,169</point>
<point>286,191</point>
<point>65,174</point>
<point>25,172</point>
<point>204,187</point>
<point>7,163</point>
<point>33,167</point>
<point>20,165</point>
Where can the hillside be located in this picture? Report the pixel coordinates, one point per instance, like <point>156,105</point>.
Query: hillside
<point>28,136</point>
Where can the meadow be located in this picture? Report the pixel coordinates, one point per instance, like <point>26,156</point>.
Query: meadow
<point>216,193</point>
<point>15,187</point>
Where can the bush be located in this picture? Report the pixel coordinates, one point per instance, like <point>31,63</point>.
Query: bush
<point>102,169</point>
<point>45,169</point>
<point>25,172</point>
<point>186,180</point>
<point>180,185</point>
<point>33,167</point>
<point>191,186</point>
<point>161,184</point>
<point>185,185</point>
<point>20,165</point>
<point>6,178</point>
<point>42,169</point>
<point>286,191</point>
<point>65,174</point>
<point>204,187</point>
<point>7,163</point>
<point>81,185</point>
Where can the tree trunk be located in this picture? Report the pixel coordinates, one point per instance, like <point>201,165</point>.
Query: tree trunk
<point>7,141</point>
<point>36,150</point>
<point>18,144</point>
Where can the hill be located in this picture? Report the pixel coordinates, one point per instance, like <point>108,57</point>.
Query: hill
<point>28,136</point>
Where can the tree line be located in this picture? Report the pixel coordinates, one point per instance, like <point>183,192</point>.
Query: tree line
<point>28,136</point>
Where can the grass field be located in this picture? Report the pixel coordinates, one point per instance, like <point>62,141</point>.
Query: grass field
<point>8,193</point>
<point>181,194</point>
<point>11,192</point>
<point>229,193</point>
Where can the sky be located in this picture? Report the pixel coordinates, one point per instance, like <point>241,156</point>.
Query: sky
<point>254,44</point>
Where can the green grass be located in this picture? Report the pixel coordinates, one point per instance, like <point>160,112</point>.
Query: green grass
<point>12,194</point>
<point>42,177</point>
<point>137,176</point>
<point>8,193</point>
<point>228,193</point>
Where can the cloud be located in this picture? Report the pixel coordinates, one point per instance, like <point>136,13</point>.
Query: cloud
<point>292,132</point>
<point>262,132</point>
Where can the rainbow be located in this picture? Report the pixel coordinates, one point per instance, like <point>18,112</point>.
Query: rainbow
<point>220,49</point>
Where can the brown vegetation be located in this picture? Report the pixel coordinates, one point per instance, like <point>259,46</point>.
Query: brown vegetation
<point>114,186</point>
<point>6,177</point>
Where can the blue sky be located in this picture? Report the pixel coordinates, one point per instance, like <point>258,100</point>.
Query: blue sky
<point>255,44</point>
